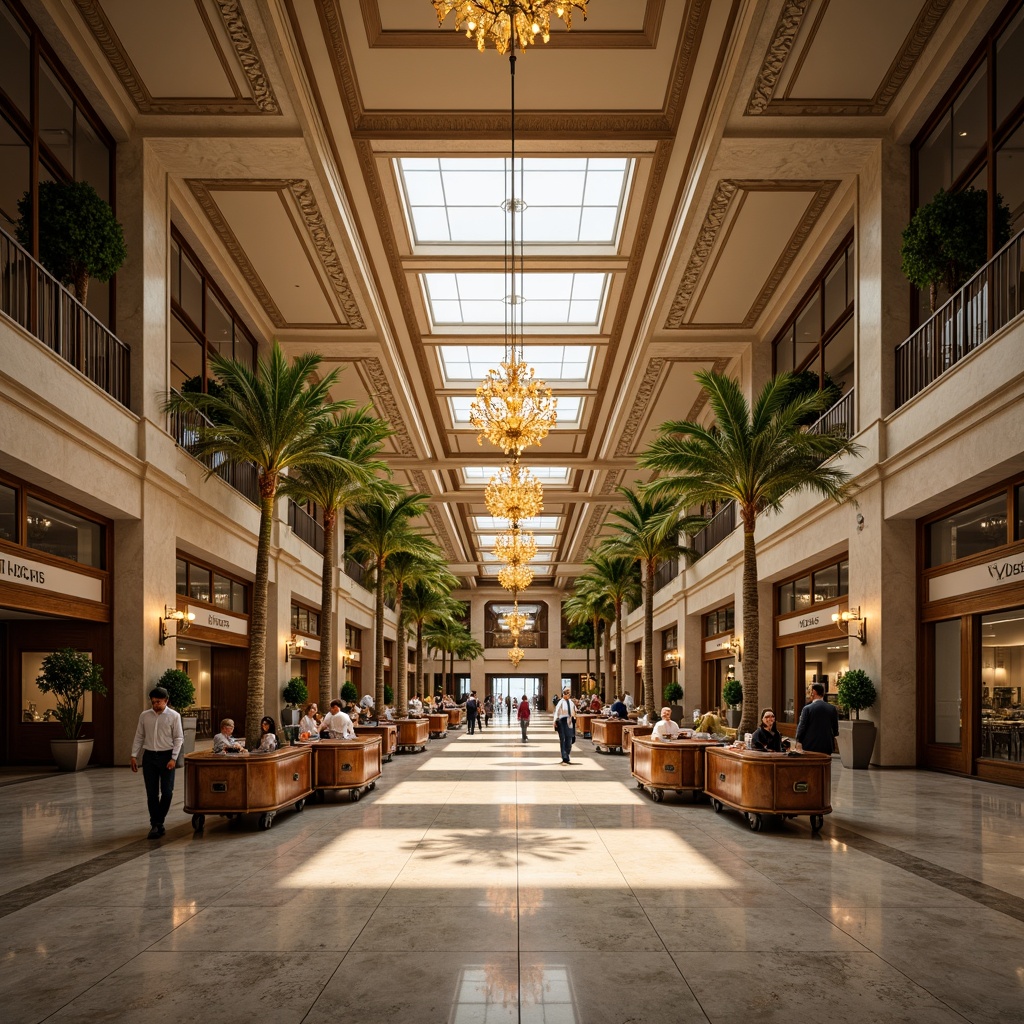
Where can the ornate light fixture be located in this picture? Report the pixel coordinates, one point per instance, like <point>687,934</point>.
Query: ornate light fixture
<point>514,493</point>
<point>511,409</point>
<point>182,621</point>
<point>495,20</point>
<point>515,577</point>
<point>516,655</point>
<point>514,621</point>
<point>516,547</point>
<point>845,620</point>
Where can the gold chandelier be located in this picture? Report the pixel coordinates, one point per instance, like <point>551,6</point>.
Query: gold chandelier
<point>514,621</point>
<point>515,577</point>
<point>515,546</point>
<point>512,409</point>
<point>514,493</point>
<point>516,655</point>
<point>495,20</point>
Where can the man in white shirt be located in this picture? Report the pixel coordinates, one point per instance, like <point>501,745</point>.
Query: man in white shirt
<point>666,729</point>
<point>628,701</point>
<point>158,740</point>
<point>565,724</point>
<point>337,724</point>
<point>416,706</point>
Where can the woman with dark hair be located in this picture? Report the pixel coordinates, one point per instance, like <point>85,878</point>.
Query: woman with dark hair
<point>767,736</point>
<point>268,736</point>
<point>524,716</point>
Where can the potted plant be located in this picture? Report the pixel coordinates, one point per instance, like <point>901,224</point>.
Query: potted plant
<point>79,236</point>
<point>732,694</point>
<point>295,693</point>
<point>946,240</point>
<point>856,692</point>
<point>69,675</point>
<point>349,692</point>
<point>181,695</point>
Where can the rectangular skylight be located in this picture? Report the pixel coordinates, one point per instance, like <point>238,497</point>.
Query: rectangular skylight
<point>542,540</point>
<point>550,362</point>
<point>548,299</point>
<point>567,411</point>
<point>576,200</point>
<point>490,524</point>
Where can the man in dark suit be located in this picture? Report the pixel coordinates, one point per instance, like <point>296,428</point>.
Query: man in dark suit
<point>819,723</point>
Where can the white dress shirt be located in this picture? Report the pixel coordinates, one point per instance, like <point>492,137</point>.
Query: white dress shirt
<point>159,732</point>
<point>309,724</point>
<point>666,730</point>
<point>565,709</point>
<point>338,725</point>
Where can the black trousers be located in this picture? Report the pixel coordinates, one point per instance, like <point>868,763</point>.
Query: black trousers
<point>159,781</point>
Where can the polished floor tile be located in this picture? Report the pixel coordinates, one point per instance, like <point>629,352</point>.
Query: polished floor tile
<point>484,883</point>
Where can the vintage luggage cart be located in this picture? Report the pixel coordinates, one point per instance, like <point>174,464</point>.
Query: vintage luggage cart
<point>348,765</point>
<point>455,717</point>
<point>413,734</point>
<point>438,725</point>
<point>607,734</point>
<point>630,732</point>
<point>388,733</point>
<point>234,784</point>
<point>658,765</point>
<point>765,786</point>
<point>584,722</point>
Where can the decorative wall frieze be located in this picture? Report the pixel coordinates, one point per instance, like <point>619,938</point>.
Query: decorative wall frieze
<point>384,399</point>
<point>237,27</point>
<point>640,402</point>
<point>779,49</point>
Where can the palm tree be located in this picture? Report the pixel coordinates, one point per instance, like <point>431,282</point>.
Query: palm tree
<point>271,417</point>
<point>618,578</point>
<point>650,528</point>
<point>452,638</point>
<point>380,529</point>
<point>754,457</point>
<point>425,603</point>
<point>354,439</point>
<point>405,569</point>
<point>578,612</point>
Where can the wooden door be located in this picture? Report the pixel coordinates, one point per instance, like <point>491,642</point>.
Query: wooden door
<point>229,671</point>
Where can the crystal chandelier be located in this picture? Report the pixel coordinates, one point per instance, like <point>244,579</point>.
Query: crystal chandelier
<point>514,621</point>
<point>515,577</point>
<point>515,546</point>
<point>495,20</point>
<point>516,655</point>
<point>511,409</point>
<point>515,494</point>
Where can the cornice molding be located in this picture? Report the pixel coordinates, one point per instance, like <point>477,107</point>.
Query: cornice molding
<point>237,27</point>
<point>384,398</point>
<point>640,402</point>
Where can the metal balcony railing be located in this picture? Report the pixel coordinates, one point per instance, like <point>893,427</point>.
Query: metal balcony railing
<point>719,527</point>
<point>305,527</point>
<point>184,428</point>
<point>665,573</point>
<point>839,418</point>
<point>35,299</point>
<point>988,302</point>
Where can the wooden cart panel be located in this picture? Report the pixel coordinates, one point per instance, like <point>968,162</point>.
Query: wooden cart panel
<point>631,731</point>
<point>584,724</point>
<point>413,733</point>
<point>607,732</point>
<point>386,731</point>
<point>346,764</point>
<point>438,724</point>
<point>766,783</point>
<point>455,716</point>
<point>246,783</point>
<point>677,764</point>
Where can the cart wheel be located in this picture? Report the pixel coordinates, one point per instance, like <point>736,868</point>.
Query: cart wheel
<point>299,804</point>
<point>657,795</point>
<point>266,820</point>
<point>755,821</point>
<point>716,805</point>
<point>198,823</point>
<point>373,785</point>
<point>817,820</point>
<point>639,784</point>
<point>679,792</point>
<point>354,795</point>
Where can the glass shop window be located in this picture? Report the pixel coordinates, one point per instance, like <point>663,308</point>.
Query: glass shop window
<point>8,514</point>
<point>968,532</point>
<point>56,531</point>
<point>181,574</point>
<point>38,707</point>
<point>221,591</point>
<point>199,583</point>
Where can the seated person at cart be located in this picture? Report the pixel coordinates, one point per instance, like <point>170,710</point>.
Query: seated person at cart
<point>268,736</point>
<point>337,724</point>
<point>767,735</point>
<point>416,706</point>
<point>595,703</point>
<point>619,709</point>
<point>666,729</point>
<point>224,742</point>
<point>309,722</point>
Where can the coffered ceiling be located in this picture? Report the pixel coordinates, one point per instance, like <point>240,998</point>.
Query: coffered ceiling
<point>337,161</point>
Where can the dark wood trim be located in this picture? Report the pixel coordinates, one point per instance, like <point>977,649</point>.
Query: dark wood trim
<point>1006,772</point>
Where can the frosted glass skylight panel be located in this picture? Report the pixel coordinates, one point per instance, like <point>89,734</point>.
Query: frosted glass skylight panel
<point>490,523</point>
<point>551,362</point>
<point>551,474</point>
<point>567,412</point>
<point>481,299</point>
<point>542,540</point>
<point>568,200</point>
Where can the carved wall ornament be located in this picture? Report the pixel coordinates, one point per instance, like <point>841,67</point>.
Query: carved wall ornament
<point>640,402</point>
<point>384,399</point>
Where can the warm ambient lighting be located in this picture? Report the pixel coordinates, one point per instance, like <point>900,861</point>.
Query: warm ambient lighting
<point>514,622</point>
<point>736,646</point>
<point>515,494</point>
<point>843,620</point>
<point>182,620</point>
<point>516,655</point>
<point>516,547</point>
<point>515,577</point>
<point>494,20</point>
<point>293,647</point>
<point>511,409</point>
<point>672,657</point>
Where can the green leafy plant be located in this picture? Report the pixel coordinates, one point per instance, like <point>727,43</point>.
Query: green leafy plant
<point>805,384</point>
<point>732,692</point>
<point>181,692</point>
<point>349,692</point>
<point>295,691</point>
<point>389,695</point>
<point>69,675</point>
<point>855,691</point>
<point>673,691</point>
<point>946,239</point>
<point>79,236</point>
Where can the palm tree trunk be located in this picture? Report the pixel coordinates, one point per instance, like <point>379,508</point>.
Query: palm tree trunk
<point>649,639</point>
<point>255,685</point>
<point>607,659</point>
<point>751,630</point>
<point>327,610</point>
<point>597,650</point>
<point>401,683</point>
<point>420,674</point>
<point>378,642</point>
<point>620,679</point>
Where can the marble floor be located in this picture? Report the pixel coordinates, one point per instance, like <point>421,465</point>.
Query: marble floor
<point>485,882</point>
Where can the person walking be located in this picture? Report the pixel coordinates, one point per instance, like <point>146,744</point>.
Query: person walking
<point>819,723</point>
<point>488,710</point>
<point>472,712</point>
<point>565,724</point>
<point>524,716</point>
<point>158,740</point>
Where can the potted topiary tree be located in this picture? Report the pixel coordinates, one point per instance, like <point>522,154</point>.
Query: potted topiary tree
<point>349,692</point>
<point>295,692</point>
<point>732,694</point>
<point>69,675</point>
<point>79,236</point>
<point>181,695</point>
<point>856,692</point>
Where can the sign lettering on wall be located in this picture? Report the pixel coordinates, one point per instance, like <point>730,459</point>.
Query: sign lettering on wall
<point>722,643</point>
<point>813,618</point>
<point>50,578</point>
<point>996,573</point>
<point>218,620</point>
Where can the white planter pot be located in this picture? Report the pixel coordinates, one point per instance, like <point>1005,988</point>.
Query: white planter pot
<point>71,755</point>
<point>856,742</point>
<point>290,716</point>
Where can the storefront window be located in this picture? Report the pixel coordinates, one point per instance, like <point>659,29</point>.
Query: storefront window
<point>14,61</point>
<point>8,514</point>
<point>968,532</point>
<point>789,684</point>
<point>181,572</point>
<point>822,664</point>
<point>37,706</point>
<point>238,597</point>
<point>1010,67</point>
<point>221,591</point>
<point>1002,683</point>
<point>58,532</point>
<point>1020,512</point>
<point>946,658</point>
<point>721,621</point>
<point>199,583</point>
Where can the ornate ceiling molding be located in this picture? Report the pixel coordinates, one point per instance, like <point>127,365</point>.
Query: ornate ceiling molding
<point>310,217</point>
<point>762,98</point>
<point>642,399</point>
<point>384,398</point>
<point>596,521</point>
<point>260,101</point>
<point>725,195</point>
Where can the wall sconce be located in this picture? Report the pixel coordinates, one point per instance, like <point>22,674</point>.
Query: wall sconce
<point>843,620</point>
<point>640,664</point>
<point>672,657</point>
<point>293,646</point>
<point>182,619</point>
<point>346,658</point>
<point>736,646</point>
